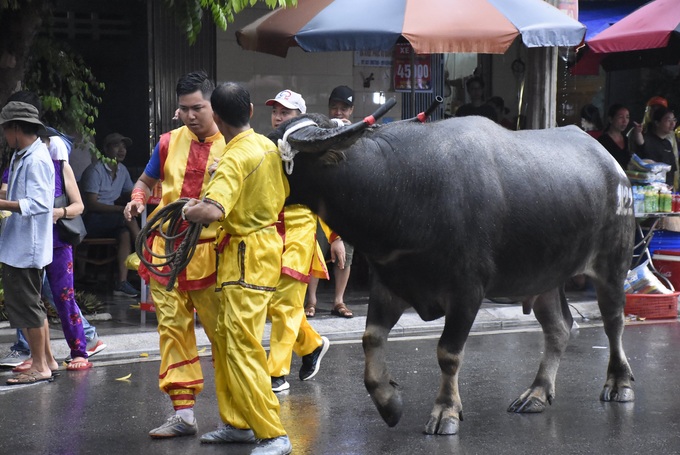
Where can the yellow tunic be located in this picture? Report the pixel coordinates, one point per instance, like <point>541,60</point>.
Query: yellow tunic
<point>250,187</point>
<point>184,173</point>
<point>185,162</point>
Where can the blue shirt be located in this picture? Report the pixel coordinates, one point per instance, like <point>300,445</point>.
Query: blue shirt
<point>26,238</point>
<point>97,179</point>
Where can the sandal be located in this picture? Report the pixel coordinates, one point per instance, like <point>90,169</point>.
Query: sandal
<point>310,311</point>
<point>29,378</point>
<point>342,311</point>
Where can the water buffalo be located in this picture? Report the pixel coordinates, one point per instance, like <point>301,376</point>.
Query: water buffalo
<point>449,212</point>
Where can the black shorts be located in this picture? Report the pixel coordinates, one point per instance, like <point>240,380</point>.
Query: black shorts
<point>24,307</point>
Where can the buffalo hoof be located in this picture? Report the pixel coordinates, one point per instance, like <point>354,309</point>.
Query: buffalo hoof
<point>391,408</point>
<point>447,426</point>
<point>444,426</point>
<point>527,405</point>
<point>620,394</point>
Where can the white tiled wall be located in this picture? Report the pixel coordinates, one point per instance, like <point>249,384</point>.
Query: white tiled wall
<point>312,74</point>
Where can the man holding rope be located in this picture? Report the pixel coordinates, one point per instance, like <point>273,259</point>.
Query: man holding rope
<point>246,195</point>
<point>180,161</point>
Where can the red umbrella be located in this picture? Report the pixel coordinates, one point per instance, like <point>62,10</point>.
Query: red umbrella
<point>431,26</point>
<point>649,36</point>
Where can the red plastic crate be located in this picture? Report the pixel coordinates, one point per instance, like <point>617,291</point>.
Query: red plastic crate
<point>653,306</point>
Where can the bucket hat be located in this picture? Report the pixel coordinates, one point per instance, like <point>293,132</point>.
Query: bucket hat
<point>17,111</point>
<point>115,138</point>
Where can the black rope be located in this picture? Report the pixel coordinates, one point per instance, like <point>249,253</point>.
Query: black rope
<point>168,223</point>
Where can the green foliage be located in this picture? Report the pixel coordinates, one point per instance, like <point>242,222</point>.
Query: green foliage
<point>189,13</point>
<point>9,4</point>
<point>68,89</point>
<point>88,303</point>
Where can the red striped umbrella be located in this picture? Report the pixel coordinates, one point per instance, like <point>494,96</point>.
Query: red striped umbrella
<point>649,36</point>
<point>431,26</point>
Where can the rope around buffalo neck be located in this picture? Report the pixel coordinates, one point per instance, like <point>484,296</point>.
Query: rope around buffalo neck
<point>285,150</point>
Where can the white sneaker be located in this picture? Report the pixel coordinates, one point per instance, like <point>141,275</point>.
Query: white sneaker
<point>174,426</point>
<point>274,446</point>
<point>279,384</point>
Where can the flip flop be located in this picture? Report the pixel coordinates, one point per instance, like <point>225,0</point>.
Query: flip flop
<point>29,378</point>
<point>341,310</point>
<point>78,365</point>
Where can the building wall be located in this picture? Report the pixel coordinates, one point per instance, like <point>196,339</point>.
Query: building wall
<point>312,74</point>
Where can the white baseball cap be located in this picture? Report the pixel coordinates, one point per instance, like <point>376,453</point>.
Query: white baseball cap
<point>289,99</point>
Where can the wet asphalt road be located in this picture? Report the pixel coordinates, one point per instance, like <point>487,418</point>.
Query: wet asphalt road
<point>90,412</point>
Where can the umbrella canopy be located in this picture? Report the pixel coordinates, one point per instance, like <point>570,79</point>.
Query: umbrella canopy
<point>431,26</point>
<point>649,36</point>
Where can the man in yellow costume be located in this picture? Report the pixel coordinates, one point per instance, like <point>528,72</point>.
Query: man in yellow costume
<point>180,161</point>
<point>302,258</point>
<point>246,195</point>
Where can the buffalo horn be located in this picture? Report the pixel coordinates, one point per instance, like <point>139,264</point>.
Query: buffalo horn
<point>321,139</point>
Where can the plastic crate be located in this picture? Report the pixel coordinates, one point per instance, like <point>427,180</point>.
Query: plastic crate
<point>653,306</point>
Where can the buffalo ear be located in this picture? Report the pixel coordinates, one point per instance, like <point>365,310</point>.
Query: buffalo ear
<point>333,157</point>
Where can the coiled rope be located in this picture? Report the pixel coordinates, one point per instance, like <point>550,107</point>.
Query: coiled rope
<point>176,257</point>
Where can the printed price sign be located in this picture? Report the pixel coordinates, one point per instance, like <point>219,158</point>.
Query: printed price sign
<point>403,69</point>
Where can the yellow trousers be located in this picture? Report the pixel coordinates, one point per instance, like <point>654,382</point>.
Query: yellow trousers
<point>244,390</point>
<point>180,374</point>
<point>290,330</point>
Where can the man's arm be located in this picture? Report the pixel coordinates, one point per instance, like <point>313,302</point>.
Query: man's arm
<point>204,212</point>
<point>140,194</point>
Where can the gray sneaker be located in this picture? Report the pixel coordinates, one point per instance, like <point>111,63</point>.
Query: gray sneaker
<point>226,433</point>
<point>274,446</point>
<point>279,384</point>
<point>14,358</point>
<point>174,426</point>
<point>125,289</point>
<point>312,362</point>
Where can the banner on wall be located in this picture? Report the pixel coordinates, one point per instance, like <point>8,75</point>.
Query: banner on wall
<point>373,58</point>
<point>403,71</point>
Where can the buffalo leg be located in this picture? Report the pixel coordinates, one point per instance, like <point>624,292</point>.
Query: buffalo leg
<point>384,310</point>
<point>611,300</point>
<point>552,312</point>
<point>448,408</point>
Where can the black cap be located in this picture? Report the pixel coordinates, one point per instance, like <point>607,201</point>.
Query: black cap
<point>344,94</point>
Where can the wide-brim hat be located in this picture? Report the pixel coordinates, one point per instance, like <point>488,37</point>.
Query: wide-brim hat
<point>115,138</point>
<point>17,111</point>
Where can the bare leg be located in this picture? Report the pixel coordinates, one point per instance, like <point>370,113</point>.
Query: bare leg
<point>124,248</point>
<point>341,279</point>
<point>38,339</point>
<point>310,303</point>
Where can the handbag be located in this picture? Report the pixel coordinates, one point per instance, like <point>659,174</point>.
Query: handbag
<point>70,230</point>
